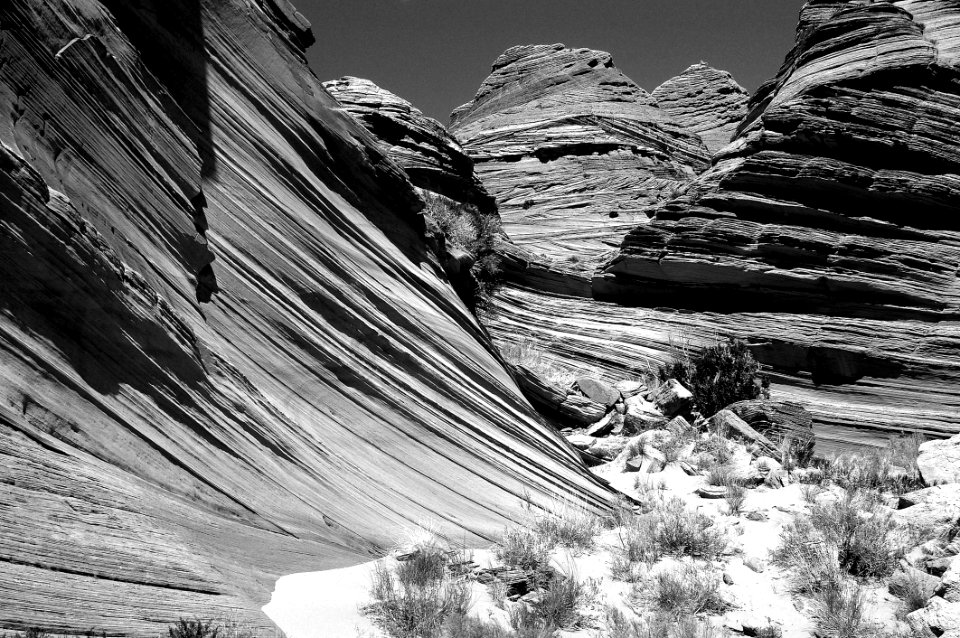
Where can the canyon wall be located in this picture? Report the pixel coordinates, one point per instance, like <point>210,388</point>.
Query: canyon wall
<point>227,350</point>
<point>823,233</point>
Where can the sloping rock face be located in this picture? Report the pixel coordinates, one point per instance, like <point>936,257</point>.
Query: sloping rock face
<point>419,144</point>
<point>572,150</point>
<point>706,101</point>
<point>226,352</point>
<point>833,209</point>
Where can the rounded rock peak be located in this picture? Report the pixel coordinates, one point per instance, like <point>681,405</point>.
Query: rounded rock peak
<point>536,53</point>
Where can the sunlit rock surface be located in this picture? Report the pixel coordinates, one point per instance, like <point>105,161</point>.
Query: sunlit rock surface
<point>706,101</point>
<point>419,144</point>
<point>825,235</point>
<point>227,354</point>
<point>572,150</point>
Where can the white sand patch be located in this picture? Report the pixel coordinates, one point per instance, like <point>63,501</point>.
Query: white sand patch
<point>323,604</point>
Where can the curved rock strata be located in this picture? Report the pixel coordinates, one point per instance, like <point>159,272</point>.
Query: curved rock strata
<point>824,234</point>
<point>227,353</point>
<point>572,150</point>
<point>705,101</point>
<point>419,144</point>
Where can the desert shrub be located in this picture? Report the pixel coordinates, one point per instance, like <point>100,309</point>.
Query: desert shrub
<point>528,624</point>
<point>193,629</point>
<point>735,497</point>
<point>568,525</point>
<point>892,468</point>
<point>679,531</point>
<point>718,375</point>
<point>717,448</point>
<point>851,535</point>
<point>687,589</point>
<point>864,534</point>
<point>461,626</point>
<point>841,608</point>
<point>660,625</point>
<point>810,492</point>
<point>559,603</point>
<point>466,228</point>
<point>521,547</point>
<point>915,593</point>
<point>622,514</point>
<point>637,547</point>
<point>720,475</point>
<point>415,601</point>
<point>529,354</point>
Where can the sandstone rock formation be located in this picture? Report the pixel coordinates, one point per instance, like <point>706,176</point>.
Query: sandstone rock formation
<point>823,235</point>
<point>572,150</point>
<point>227,352</point>
<point>419,144</point>
<point>704,100</point>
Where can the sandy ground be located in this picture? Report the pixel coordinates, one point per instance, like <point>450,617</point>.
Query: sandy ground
<point>327,604</point>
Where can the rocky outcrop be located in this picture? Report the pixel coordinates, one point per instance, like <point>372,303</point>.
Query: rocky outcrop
<point>939,461</point>
<point>706,101</point>
<point>823,235</point>
<point>227,352</point>
<point>572,150</point>
<point>419,144</point>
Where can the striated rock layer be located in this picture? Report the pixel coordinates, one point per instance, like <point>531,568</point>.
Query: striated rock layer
<point>226,352</point>
<point>834,208</point>
<point>706,101</point>
<point>572,150</point>
<point>419,144</point>
<point>825,235</point>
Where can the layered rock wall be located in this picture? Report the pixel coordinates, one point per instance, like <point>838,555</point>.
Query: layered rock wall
<point>824,234</point>
<point>227,353</point>
<point>573,150</point>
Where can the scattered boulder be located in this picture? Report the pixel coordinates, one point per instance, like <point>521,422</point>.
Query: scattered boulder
<point>672,398</point>
<point>939,461</point>
<point>649,461</point>
<point>602,427</point>
<point>608,448</point>
<point>777,479</point>
<point>581,409</point>
<point>780,421</point>
<point>905,578</point>
<point>938,566</point>
<point>678,424</point>
<point>598,391</point>
<point>712,491</point>
<point>629,389</point>
<point>727,579</point>
<point>939,617</point>
<point>729,424</point>
<point>755,564</point>
<point>642,415</point>
<point>949,588</point>
<point>581,441</point>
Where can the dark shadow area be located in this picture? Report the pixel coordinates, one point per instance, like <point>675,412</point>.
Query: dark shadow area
<point>168,34</point>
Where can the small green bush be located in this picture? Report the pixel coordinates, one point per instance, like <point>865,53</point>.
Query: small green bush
<point>686,590</point>
<point>568,525</point>
<point>718,375</point>
<point>466,228</point>
<point>890,469</point>
<point>841,611</point>
<point>559,603</point>
<point>660,625</point>
<point>193,629</point>
<point>415,601</point>
<point>521,547</point>
<point>863,533</point>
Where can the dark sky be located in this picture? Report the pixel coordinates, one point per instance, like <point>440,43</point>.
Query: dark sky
<point>435,53</point>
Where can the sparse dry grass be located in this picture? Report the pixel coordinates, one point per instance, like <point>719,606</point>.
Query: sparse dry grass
<point>521,547</point>
<point>683,590</point>
<point>415,599</point>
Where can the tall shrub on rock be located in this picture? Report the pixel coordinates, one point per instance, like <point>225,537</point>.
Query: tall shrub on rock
<point>719,375</point>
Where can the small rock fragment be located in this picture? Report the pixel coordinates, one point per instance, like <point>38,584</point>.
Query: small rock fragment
<point>672,398</point>
<point>598,391</point>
